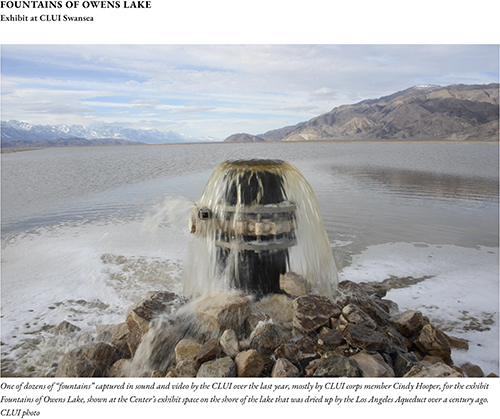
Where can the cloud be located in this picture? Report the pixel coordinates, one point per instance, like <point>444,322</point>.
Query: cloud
<point>207,87</point>
<point>325,93</point>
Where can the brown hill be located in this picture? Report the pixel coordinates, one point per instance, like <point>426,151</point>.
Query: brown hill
<point>243,138</point>
<point>456,112</point>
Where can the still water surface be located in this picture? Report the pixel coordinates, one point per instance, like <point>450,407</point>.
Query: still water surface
<point>368,193</point>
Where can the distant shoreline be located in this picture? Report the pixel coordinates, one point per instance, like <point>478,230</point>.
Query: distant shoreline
<point>8,150</point>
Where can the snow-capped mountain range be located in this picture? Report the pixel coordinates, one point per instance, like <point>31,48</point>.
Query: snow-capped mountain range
<point>22,131</point>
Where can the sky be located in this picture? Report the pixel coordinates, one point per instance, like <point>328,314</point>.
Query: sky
<point>217,90</point>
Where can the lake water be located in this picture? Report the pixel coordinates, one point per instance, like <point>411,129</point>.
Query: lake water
<point>87,231</point>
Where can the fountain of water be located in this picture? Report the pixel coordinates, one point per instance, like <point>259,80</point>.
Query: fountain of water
<point>257,219</point>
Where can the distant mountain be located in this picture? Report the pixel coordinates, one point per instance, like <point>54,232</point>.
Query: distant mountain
<point>22,131</point>
<point>244,138</point>
<point>456,112</point>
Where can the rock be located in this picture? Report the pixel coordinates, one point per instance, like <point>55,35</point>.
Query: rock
<point>351,313</point>
<point>408,323</point>
<point>119,368</point>
<point>361,336</point>
<point>372,365</point>
<point>266,338</point>
<point>64,328</point>
<point>434,370</point>
<point>119,339</point>
<point>186,368</point>
<point>374,289</point>
<point>208,351</point>
<point>430,359</point>
<point>224,311</point>
<point>312,366</point>
<point>293,284</point>
<point>312,312</point>
<point>337,366</point>
<point>287,350</point>
<point>330,340</point>
<point>223,367</point>
<point>389,306</point>
<point>471,370</point>
<point>284,368</point>
<point>352,293</point>
<point>457,343</point>
<point>249,364</point>
<point>140,316</point>
<point>396,340</point>
<point>91,360</point>
<point>253,319</point>
<point>307,344</point>
<point>229,343</point>
<point>432,342</point>
<point>186,350</point>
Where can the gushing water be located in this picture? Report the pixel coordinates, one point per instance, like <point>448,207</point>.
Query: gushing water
<point>257,219</point>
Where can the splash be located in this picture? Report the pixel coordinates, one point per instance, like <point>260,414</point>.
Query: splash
<point>256,220</point>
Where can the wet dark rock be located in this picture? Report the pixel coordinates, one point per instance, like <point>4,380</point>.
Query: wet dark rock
<point>397,340</point>
<point>266,338</point>
<point>312,312</point>
<point>403,362</point>
<point>351,313</point>
<point>287,350</point>
<point>374,289</point>
<point>337,366</point>
<point>388,306</point>
<point>330,340</point>
<point>352,293</point>
<point>363,337</point>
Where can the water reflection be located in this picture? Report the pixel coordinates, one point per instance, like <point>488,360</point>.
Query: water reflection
<point>424,184</point>
<point>363,206</point>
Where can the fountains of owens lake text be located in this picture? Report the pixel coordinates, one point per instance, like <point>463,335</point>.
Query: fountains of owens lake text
<point>256,220</point>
